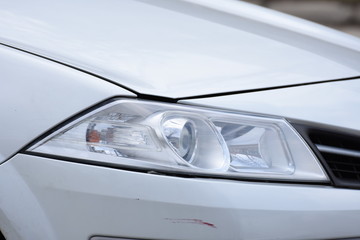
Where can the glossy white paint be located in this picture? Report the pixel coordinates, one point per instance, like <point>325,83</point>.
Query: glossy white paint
<point>335,103</point>
<point>180,48</point>
<point>61,200</point>
<point>36,95</point>
<point>173,49</point>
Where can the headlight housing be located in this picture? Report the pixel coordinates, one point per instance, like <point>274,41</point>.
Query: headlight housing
<point>174,138</point>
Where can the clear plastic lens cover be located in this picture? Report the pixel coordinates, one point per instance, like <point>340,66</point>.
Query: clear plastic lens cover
<point>185,139</point>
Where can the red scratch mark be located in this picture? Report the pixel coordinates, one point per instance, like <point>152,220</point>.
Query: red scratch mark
<point>191,221</point>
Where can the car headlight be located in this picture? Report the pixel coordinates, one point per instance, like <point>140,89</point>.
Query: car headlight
<point>174,138</point>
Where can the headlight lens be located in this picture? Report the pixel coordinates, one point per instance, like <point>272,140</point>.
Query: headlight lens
<point>181,135</point>
<point>185,139</point>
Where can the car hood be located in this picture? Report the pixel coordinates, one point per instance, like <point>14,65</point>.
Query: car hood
<point>332,103</point>
<point>180,49</point>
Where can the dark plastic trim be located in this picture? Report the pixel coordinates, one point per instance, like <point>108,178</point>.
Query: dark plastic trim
<point>305,129</point>
<point>2,236</point>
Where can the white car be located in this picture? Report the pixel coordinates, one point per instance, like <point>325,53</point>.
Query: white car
<point>176,119</point>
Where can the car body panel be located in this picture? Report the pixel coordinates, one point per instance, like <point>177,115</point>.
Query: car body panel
<point>55,66</point>
<point>37,94</point>
<point>334,103</point>
<point>64,200</point>
<point>203,47</point>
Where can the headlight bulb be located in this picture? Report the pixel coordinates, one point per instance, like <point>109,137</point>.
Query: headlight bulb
<point>190,135</point>
<point>181,135</point>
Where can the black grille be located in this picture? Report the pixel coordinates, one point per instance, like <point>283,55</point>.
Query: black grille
<point>342,154</point>
<point>339,152</point>
<point>343,167</point>
<point>337,140</point>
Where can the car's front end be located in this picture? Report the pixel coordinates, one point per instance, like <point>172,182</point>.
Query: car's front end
<point>176,120</point>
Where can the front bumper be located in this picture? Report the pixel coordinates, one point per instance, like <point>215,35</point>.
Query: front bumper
<point>49,199</point>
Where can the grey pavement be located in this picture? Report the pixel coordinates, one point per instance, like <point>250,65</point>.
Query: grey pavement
<point>343,15</point>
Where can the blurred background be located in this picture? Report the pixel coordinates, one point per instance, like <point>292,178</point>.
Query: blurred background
<point>343,15</point>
